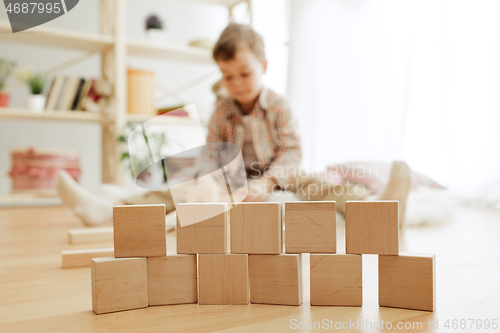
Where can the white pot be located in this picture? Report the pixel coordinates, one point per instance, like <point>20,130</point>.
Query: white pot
<point>35,103</point>
<point>156,35</point>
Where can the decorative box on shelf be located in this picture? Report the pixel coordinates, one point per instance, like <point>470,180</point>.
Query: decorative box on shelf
<point>35,170</point>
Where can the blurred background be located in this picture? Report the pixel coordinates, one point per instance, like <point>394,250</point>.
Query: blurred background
<point>368,81</point>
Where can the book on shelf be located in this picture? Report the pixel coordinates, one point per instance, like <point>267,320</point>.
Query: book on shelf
<point>59,97</point>
<point>54,93</point>
<point>76,96</point>
<point>69,93</point>
<point>47,88</point>
<point>87,85</point>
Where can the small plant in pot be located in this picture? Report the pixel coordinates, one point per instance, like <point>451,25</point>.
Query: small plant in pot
<point>155,29</point>
<point>152,175</point>
<point>36,83</point>
<point>6,68</point>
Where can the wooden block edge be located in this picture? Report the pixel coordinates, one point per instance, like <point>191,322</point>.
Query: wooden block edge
<point>417,255</point>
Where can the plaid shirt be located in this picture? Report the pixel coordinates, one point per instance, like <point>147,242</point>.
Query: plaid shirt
<point>275,140</point>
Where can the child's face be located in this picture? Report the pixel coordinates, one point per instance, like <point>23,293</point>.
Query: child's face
<point>242,75</point>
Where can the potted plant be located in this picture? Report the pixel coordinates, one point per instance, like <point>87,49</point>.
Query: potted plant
<point>6,68</point>
<point>154,29</point>
<point>136,161</point>
<point>36,82</point>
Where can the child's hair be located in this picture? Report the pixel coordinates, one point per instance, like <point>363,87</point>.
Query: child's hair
<point>237,36</point>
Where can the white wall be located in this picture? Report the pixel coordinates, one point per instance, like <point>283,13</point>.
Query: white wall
<point>412,80</point>
<point>269,20</point>
<point>185,21</point>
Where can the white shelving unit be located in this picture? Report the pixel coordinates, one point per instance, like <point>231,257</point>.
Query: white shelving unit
<point>167,120</point>
<point>60,38</point>
<point>83,116</point>
<point>114,47</point>
<point>170,52</point>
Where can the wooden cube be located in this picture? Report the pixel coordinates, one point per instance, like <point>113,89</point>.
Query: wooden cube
<point>81,258</point>
<point>407,281</point>
<point>89,235</point>
<point>208,236</point>
<point>310,227</point>
<point>223,278</point>
<point>139,231</point>
<point>172,279</point>
<point>202,194</point>
<point>336,279</point>
<point>372,227</point>
<point>275,279</point>
<point>119,284</point>
<point>256,228</point>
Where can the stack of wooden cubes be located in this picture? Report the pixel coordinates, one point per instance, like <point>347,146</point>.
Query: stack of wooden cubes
<point>405,280</point>
<point>237,257</point>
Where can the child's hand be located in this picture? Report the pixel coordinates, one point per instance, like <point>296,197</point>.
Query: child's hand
<point>259,189</point>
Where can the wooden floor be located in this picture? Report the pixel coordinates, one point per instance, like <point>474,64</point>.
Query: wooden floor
<point>37,295</point>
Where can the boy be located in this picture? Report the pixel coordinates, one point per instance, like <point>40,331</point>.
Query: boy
<point>254,117</point>
<point>259,121</point>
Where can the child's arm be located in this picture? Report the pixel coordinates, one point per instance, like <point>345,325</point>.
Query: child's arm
<point>215,131</point>
<point>289,152</point>
<point>288,156</point>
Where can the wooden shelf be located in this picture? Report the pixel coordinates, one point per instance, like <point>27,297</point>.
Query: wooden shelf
<point>171,52</point>
<point>60,38</point>
<point>77,116</point>
<point>167,120</point>
<point>85,116</point>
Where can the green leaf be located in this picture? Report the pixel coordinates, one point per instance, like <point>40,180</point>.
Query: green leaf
<point>124,156</point>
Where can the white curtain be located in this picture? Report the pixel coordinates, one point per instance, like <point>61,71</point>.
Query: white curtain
<point>413,80</point>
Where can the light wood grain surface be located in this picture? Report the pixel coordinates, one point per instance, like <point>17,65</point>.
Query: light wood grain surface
<point>172,279</point>
<point>37,295</point>
<point>275,279</point>
<point>372,227</point>
<point>310,227</point>
<point>82,257</point>
<point>407,281</point>
<point>207,236</point>
<point>139,231</point>
<point>336,279</point>
<point>89,235</point>
<point>119,284</point>
<point>256,228</point>
<point>223,279</point>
